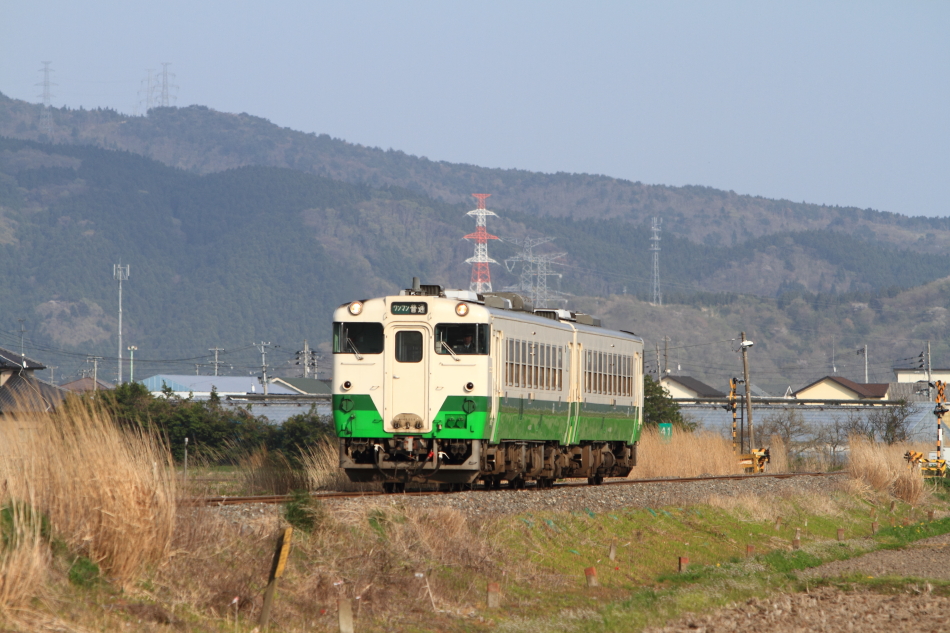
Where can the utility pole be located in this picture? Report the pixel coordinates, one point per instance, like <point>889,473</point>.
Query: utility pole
<point>216,349</point>
<point>748,387</point>
<point>52,374</point>
<point>263,347</point>
<point>929,379</point>
<point>132,349</point>
<point>864,351</point>
<point>655,249</point>
<point>666,355</point>
<point>309,359</point>
<point>731,406</point>
<point>120,273</point>
<point>22,332</point>
<point>95,372</point>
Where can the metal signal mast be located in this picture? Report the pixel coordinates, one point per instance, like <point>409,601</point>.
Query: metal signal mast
<point>655,247</point>
<point>481,276</point>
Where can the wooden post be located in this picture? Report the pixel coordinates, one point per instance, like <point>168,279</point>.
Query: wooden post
<point>840,534</point>
<point>797,541</point>
<point>494,595</point>
<point>893,505</point>
<point>345,615</point>
<point>276,571</point>
<point>930,515</point>
<point>683,563</point>
<point>591,575</point>
<point>873,528</point>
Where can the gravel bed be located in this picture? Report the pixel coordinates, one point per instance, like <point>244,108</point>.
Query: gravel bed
<point>825,609</point>
<point>482,503</point>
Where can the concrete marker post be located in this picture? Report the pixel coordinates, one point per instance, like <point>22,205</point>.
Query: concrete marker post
<point>873,528</point>
<point>893,506</point>
<point>345,610</point>
<point>749,551</point>
<point>778,524</point>
<point>281,551</point>
<point>840,534</point>
<point>613,551</point>
<point>930,515</point>
<point>797,541</point>
<point>494,595</point>
<point>591,575</point>
<point>683,563</point>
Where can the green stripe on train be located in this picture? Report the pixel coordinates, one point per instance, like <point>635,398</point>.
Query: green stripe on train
<point>460,417</point>
<point>547,420</point>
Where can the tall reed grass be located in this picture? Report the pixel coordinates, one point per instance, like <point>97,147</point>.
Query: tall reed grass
<point>684,455</point>
<point>883,468</point>
<point>321,462</point>
<point>108,493</point>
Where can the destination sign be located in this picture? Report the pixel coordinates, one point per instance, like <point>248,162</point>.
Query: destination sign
<point>409,308</point>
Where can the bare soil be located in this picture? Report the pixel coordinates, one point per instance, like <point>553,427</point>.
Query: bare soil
<point>833,609</point>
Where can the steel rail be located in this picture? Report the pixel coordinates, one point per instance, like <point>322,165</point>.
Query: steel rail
<point>274,499</point>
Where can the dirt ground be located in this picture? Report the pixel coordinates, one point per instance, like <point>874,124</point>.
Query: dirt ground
<point>831,609</point>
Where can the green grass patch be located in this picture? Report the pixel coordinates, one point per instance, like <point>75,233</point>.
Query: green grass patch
<point>900,536</point>
<point>83,572</point>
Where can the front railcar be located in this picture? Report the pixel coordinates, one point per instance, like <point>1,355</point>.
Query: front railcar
<point>412,385</point>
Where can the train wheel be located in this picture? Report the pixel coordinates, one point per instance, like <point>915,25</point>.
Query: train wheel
<point>516,484</point>
<point>388,487</point>
<point>595,481</point>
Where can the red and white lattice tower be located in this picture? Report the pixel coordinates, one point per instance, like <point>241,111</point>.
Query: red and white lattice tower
<point>481,277</point>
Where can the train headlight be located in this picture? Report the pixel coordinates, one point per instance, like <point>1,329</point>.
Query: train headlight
<point>356,308</point>
<point>461,309</point>
<point>469,386</point>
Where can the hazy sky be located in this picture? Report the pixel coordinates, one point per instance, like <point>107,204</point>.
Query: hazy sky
<point>837,103</point>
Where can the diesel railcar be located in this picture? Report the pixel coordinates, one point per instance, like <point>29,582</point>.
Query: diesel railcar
<point>452,387</point>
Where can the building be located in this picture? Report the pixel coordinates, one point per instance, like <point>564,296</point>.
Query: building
<point>838,388</point>
<point>200,387</point>
<point>687,387</point>
<point>20,390</point>
<point>305,386</point>
<point>915,374</point>
<point>87,383</point>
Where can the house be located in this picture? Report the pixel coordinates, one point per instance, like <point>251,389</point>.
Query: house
<point>915,374</point>
<point>305,386</point>
<point>87,383</point>
<point>20,390</point>
<point>838,388</point>
<point>688,388</point>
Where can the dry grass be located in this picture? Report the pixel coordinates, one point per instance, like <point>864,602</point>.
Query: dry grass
<point>778,455</point>
<point>883,468</point>
<point>108,493</point>
<point>685,455</point>
<point>321,463</point>
<point>269,473</point>
<point>24,554</point>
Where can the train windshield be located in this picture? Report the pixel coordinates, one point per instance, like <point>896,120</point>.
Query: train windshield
<point>462,338</point>
<point>357,338</point>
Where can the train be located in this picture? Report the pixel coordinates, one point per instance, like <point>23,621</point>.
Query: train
<point>455,388</point>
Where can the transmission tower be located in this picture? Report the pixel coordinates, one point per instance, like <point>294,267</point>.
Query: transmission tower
<point>46,118</point>
<point>655,247</point>
<point>150,91</point>
<point>535,271</point>
<point>167,96</point>
<point>481,276</point>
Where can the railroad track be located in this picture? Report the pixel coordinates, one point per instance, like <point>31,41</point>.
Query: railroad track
<point>227,501</point>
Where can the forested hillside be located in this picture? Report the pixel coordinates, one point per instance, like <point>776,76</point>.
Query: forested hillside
<point>261,253</point>
<point>202,140</point>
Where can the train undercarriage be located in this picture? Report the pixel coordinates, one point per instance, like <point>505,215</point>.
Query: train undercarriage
<point>461,464</point>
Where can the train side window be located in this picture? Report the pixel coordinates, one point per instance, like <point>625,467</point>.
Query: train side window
<point>463,338</point>
<point>363,338</point>
<point>408,346</point>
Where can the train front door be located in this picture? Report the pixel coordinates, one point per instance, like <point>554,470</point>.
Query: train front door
<point>407,380</point>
